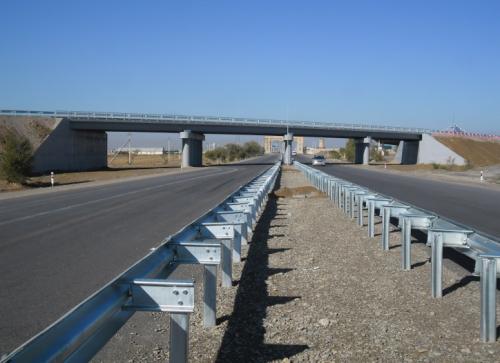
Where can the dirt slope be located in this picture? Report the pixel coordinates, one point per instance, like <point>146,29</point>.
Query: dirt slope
<point>478,153</point>
<point>36,129</point>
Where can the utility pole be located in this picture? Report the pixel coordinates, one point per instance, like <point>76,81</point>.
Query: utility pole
<point>129,148</point>
<point>168,150</point>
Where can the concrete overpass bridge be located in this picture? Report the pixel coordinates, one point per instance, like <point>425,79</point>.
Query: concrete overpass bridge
<point>79,139</point>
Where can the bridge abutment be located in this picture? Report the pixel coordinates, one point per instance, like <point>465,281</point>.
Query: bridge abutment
<point>66,149</point>
<point>407,152</point>
<point>362,152</point>
<point>192,148</point>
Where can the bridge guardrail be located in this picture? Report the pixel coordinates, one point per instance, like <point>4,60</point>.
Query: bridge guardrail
<point>441,232</point>
<point>120,116</point>
<point>211,240</point>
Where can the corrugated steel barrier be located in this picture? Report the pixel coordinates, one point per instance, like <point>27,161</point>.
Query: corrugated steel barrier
<point>354,199</point>
<point>213,240</point>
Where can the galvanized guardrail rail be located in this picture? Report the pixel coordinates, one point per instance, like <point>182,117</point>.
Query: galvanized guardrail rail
<point>354,199</point>
<point>213,240</point>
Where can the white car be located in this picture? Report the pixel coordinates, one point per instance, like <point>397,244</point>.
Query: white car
<point>318,160</point>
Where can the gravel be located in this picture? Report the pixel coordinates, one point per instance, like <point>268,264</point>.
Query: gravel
<point>314,288</point>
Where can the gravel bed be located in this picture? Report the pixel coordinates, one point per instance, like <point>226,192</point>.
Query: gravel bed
<point>313,287</point>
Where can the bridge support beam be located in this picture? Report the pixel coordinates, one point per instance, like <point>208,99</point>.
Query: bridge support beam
<point>192,148</point>
<point>287,140</point>
<point>362,153</point>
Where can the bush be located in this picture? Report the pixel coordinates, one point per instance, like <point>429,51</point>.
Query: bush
<point>232,152</point>
<point>16,157</point>
<point>350,150</point>
<point>376,155</point>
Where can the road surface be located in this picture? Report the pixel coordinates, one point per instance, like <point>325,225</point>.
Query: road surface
<point>58,248</point>
<point>474,206</point>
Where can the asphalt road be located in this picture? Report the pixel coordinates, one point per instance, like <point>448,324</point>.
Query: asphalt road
<point>58,248</point>
<point>474,206</point>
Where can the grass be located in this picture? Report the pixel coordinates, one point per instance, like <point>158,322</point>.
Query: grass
<point>477,152</point>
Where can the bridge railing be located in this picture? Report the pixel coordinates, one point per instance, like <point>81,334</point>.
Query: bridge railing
<point>213,240</point>
<point>120,116</point>
<point>441,232</point>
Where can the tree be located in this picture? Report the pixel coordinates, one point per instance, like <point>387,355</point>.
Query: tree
<point>16,157</point>
<point>253,148</point>
<point>350,150</point>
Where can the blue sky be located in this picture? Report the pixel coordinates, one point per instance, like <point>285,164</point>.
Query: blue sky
<point>408,63</point>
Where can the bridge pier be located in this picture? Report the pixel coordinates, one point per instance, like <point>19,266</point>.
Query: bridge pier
<point>362,153</point>
<point>287,141</point>
<point>192,148</point>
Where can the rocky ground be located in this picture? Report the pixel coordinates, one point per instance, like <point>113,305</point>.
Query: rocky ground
<point>314,288</point>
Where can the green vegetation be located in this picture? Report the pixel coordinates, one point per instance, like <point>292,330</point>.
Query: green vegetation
<point>334,154</point>
<point>232,152</point>
<point>376,155</point>
<point>349,151</point>
<point>16,157</point>
<point>451,166</point>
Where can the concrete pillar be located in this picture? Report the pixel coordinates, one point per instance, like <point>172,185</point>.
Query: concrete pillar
<point>192,148</point>
<point>362,155</point>
<point>407,152</point>
<point>287,143</point>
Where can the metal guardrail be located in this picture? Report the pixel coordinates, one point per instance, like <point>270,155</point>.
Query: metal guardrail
<point>163,118</point>
<point>441,232</point>
<point>212,240</point>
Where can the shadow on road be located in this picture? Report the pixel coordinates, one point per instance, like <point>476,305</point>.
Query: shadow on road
<point>243,340</point>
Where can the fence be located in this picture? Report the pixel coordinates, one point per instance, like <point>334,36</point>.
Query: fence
<point>192,119</point>
<point>354,200</point>
<point>213,240</point>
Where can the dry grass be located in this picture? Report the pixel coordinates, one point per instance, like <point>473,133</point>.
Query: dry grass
<point>478,153</point>
<point>144,161</point>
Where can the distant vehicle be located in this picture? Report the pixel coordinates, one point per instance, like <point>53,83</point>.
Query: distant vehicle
<point>294,152</point>
<point>319,160</point>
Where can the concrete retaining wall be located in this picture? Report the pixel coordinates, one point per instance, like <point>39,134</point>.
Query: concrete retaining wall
<point>427,151</point>
<point>69,150</point>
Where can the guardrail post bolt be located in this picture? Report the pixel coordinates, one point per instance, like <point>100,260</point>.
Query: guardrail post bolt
<point>488,299</point>
<point>437,265</point>
<point>179,337</point>
<point>386,218</point>
<point>406,244</point>
<point>210,295</point>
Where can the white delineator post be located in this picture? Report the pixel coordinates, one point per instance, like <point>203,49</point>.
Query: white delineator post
<point>52,179</point>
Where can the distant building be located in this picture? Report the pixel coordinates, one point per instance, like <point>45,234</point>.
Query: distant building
<point>141,150</point>
<point>148,150</point>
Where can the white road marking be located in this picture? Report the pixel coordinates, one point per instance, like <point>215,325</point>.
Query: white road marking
<point>19,219</point>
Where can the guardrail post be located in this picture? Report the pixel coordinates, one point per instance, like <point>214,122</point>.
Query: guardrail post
<point>437,265</point>
<point>345,204</point>
<point>406,244</point>
<point>488,298</point>
<point>360,211</point>
<point>226,263</point>
<point>371,218</point>
<point>386,218</point>
<point>179,337</point>
<point>352,203</point>
<point>210,295</point>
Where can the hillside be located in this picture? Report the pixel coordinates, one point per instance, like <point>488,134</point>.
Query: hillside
<point>36,129</point>
<point>477,152</point>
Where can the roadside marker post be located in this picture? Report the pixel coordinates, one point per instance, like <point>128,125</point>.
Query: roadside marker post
<point>52,179</point>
